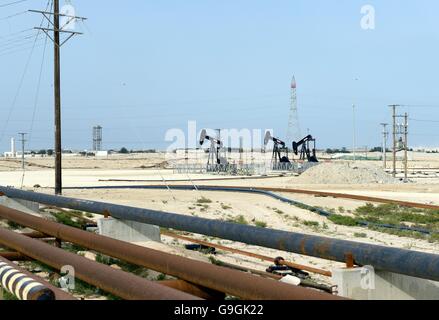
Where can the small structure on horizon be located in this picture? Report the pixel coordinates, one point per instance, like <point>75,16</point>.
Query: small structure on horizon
<point>97,138</point>
<point>13,152</point>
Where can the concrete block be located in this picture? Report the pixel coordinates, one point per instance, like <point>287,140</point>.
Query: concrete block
<point>363,284</point>
<point>29,207</point>
<point>129,231</point>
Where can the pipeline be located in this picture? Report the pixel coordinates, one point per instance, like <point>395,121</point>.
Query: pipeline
<point>403,261</point>
<point>198,273</point>
<point>117,282</point>
<point>248,254</point>
<point>16,282</point>
<point>13,256</point>
<point>265,192</point>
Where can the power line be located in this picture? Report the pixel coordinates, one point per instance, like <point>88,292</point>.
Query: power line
<point>11,3</point>
<point>37,92</point>
<point>8,118</point>
<point>19,50</point>
<point>423,120</point>
<point>13,15</point>
<point>5,47</point>
<point>15,33</point>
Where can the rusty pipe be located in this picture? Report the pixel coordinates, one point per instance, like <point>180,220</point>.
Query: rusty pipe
<point>26,286</point>
<point>200,273</point>
<point>197,291</point>
<point>403,261</point>
<point>13,256</point>
<point>117,282</point>
<point>249,254</point>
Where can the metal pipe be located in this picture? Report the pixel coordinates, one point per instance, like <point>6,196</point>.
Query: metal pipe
<point>266,192</point>
<point>403,261</point>
<point>13,256</point>
<point>21,285</point>
<point>117,282</point>
<point>197,291</point>
<point>199,273</point>
<point>248,254</point>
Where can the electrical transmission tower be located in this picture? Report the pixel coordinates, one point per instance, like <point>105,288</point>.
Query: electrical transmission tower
<point>384,145</point>
<point>57,30</point>
<point>293,133</point>
<point>400,139</point>
<point>97,138</point>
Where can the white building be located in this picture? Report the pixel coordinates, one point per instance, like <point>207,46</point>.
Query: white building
<point>13,152</point>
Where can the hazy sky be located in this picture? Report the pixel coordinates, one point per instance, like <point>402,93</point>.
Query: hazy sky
<point>145,66</point>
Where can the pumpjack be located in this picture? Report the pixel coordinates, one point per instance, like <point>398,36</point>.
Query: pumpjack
<point>280,149</point>
<point>305,152</point>
<point>214,151</point>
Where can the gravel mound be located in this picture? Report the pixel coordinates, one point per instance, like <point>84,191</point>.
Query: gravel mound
<point>344,173</point>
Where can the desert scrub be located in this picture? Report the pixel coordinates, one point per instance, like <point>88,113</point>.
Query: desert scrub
<point>360,235</point>
<point>69,220</point>
<point>14,226</point>
<point>343,220</point>
<point>225,207</point>
<point>239,219</point>
<point>399,215</point>
<point>125,266</point>
<point>204,200</point>
<point>311,223</point>
<point>260,224</point>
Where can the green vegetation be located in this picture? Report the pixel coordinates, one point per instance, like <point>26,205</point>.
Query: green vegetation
<point>7,296</point>
<point>260,224</point>
<point>203,200</point>
<point>360,235</point>
<point>69,220</point>
<point>395,215</point>
<point>161,277</point>
<point>125,266</point>
<point>311,223</point>
<point>343,220</point>
<point>225,207</point>
<point>399,215</point>
<point>215,261</point>
<point>278,211</point>
<point>239,219</point>
<point>14,226</point>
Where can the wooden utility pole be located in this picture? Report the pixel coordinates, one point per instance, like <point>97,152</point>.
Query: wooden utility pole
<point>53,19</point>
<point>394,139</point>
<point>57,98</point>
<point>406,124</point>
<point>23,141</point>
<point>385,134</point>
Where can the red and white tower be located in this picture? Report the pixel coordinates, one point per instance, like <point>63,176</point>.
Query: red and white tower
<point>293,133</point>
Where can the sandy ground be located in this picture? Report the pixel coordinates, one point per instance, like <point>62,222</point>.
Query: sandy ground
<point>254,208</point>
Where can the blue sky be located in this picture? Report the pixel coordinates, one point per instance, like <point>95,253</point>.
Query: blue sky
<point>145,66</point>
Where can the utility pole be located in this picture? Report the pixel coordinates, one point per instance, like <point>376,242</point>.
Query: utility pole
<point>394,138</point>
<point>53,19</point>
<point>57,98</point>
<point>406,124</point>
<point>385,134</point>
<point>354,129</point>
<point>23,140</point>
